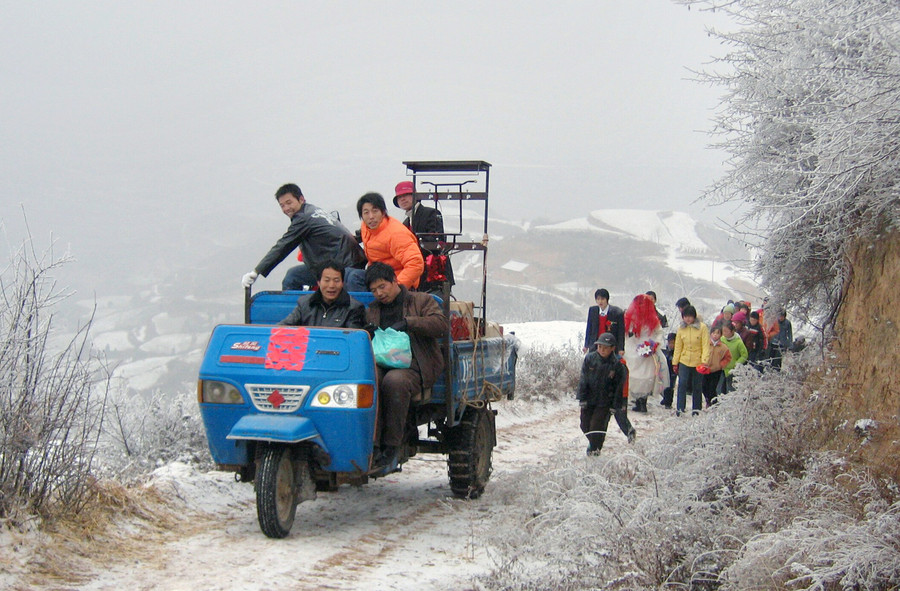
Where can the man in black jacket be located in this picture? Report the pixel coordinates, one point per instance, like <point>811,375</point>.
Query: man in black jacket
<point>331,306</point>
<point>321,238</point>
<point>601,390</point>
<point>606,318</point>
<point>427,224</point>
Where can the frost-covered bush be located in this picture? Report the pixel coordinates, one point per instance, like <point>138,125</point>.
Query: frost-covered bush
<point>811,118</point>
<point>732,499</point>
<point>548,372</point>
<point>145,432</point>
<point>52,394</point>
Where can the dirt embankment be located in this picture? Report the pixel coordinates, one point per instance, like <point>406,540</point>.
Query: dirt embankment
<point>868,349</point>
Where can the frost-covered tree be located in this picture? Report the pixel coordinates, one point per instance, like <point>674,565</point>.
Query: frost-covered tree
<point>811,117</point>
<point>52,393</point>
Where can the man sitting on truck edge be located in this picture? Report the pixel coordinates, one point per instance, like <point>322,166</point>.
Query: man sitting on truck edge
<point>320,237</point>
<point>419,315</point>
<point>330,306</point>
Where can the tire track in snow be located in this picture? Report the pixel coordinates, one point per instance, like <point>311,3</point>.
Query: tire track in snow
<point>403,532</point>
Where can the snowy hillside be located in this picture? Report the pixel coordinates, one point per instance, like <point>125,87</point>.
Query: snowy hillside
<point>677,232</point>
<point>551,271</point>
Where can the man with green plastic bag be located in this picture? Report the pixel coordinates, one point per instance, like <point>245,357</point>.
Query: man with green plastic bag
<point>418,315</point>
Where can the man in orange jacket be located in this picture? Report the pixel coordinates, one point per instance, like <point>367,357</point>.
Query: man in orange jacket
<point>386,240</point>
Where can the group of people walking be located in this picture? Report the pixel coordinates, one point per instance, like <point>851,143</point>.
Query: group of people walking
<point>628,356</point>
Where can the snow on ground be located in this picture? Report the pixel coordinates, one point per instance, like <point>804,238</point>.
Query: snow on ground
<point>166,323</point>
<point>671,228</point>
<point>697,268</point>
<point>403,532</point>
<point>143,374</point>
<point>168,344</point>
<point>115,340</point>
<point>557,334</point>
<point>577,224</point>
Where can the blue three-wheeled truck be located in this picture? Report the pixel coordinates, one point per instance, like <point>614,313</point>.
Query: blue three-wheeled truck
<point>293,409</point>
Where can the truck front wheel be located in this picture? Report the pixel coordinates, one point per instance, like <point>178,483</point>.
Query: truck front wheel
<point>276,491</point>
<point>471,445</point>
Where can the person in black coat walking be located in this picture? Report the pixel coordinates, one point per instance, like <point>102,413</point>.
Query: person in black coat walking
<point>606,318</point>
<point>601,390</point>
<point>330,306</point>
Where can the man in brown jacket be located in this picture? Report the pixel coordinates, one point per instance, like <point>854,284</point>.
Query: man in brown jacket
<point>418,315</point>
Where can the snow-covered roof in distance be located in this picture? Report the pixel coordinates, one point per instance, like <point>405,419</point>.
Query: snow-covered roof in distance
<point>514,266</point>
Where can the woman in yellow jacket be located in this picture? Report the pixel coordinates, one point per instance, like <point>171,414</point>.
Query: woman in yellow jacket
<point>691,353</point>
<point>387,240</point>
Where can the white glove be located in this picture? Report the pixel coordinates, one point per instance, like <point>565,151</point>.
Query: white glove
<point>249,278</point>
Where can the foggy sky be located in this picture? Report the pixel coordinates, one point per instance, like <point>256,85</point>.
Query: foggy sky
<point>133,124</point>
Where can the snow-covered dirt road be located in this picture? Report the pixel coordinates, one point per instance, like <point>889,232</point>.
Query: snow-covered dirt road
<point>402,532</point>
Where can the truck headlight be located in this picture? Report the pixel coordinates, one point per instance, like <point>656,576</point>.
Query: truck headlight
<point>214,392</point>
<point>344,396</point>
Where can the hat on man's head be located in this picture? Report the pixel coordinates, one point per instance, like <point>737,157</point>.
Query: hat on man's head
<point>403,188</point>
<point>739,317</point>
<point>607,339</point>
<point>728,308</point>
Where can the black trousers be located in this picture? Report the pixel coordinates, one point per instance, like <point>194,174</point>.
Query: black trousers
<point>594,421</point>
<point>621,415</point>
<point>395,389</point>
<point>713,385</point>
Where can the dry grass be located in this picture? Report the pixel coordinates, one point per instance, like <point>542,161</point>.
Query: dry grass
<point>118,524</point>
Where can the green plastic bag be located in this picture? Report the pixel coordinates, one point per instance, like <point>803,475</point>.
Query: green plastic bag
<point>392,349</point>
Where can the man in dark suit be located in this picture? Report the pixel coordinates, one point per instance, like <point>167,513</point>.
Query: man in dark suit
<point>427,224</point>
<point>604,318</point>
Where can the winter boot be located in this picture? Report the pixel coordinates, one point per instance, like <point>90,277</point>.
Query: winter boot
<point>388,462</point>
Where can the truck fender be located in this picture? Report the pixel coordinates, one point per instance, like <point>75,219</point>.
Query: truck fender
<point>281,429</point>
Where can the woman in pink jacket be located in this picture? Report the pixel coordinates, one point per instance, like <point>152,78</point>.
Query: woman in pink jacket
<point>387,240</point>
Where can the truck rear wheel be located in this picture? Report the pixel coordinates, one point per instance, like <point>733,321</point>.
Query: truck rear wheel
<point>276,492</point>
<point>471,445</point>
